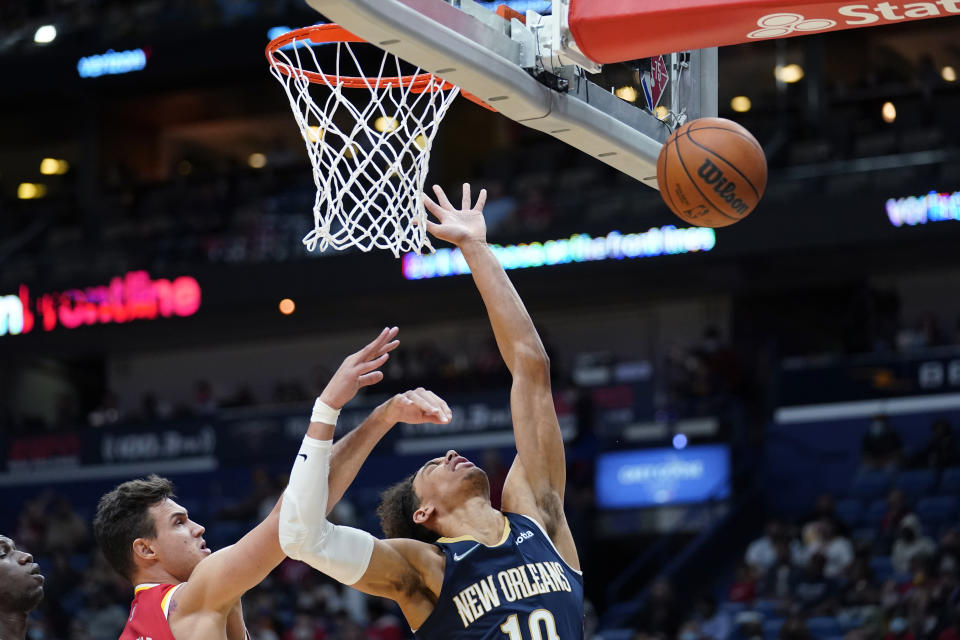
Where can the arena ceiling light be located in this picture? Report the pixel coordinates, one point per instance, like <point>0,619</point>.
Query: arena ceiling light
<point>45,34</point>
<point>741,104</point>
<point>257,160</point>
<point>384,124</point>
<point>789,73</point>
<point>31,191</point>
<point>54,167</point>
<point>888,112</point>
<point>948,74</point>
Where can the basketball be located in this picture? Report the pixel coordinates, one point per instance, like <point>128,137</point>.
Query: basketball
<point>711,172</point>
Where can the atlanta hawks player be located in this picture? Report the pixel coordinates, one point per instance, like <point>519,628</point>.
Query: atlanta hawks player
<point>182,590</point>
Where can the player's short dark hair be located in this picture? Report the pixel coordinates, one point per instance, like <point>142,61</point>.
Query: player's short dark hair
<point>396,509</point>
<point>123,515</point>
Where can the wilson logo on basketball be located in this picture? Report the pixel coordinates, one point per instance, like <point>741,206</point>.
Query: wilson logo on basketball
<point>725,188</point>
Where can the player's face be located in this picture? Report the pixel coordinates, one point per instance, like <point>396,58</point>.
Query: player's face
<point>448,480</point>
<point>21,584</point>
<point>179,543</point>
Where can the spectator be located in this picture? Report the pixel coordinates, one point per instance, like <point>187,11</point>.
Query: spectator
<point>951,631</point>
<point>909,544</point>
<point>858,604</point>
<point>690,631</point>
<point>794,629</point>
<point>714,623</point>
<point>749,626</point>
<point>304,628</point>
<point>66,530</point>
<point>384,625</point>
<point>535,213</point>
<point>260,500</point>
<point>108,413</point>
<point>204,403</point>
<point>941,451</point>
<point>744,587</point>
<point>32,524</point>
<point>762,552</point>
<point>899,627</point>
<point>262,628</point>
<point>837,550</point>
<point>500,206</point>
<point>889,597</point>
<point>780,578</point>
<point>881,448</point>
<point>103,618</point>
<point>825,510</point>
<point>662,613</point>
<point>950,547</point>
<point>153,409</point>
<point>897,510</point>
<point>815,592</point>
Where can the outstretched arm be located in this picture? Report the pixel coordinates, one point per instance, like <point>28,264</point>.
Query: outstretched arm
<point>536,481</point>
<point>350,452</point>
<point>219,580</point>
<point>409,572</point>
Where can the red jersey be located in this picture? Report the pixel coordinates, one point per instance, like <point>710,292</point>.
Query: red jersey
<point>148,613</point>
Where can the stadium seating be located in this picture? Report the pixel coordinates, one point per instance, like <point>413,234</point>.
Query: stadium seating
<point>882,568</point>
<point>824,627</point>
<point>850,511</point>
<point>873,515</point>
<point>871,485</point>
<point>936,511</point>
<point>769,608</point>
<point>771,628</point>
<point>916,484</point>
<point>950,481</point>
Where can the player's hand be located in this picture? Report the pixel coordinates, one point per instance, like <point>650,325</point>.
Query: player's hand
<point>457,226</point>
<point>417,406</point>
<point>360,369</point>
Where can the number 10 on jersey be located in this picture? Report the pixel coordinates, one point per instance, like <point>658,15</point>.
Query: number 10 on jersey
<point>540,622</point>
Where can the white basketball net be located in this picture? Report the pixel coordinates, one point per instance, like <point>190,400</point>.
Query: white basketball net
<point>369,146</point>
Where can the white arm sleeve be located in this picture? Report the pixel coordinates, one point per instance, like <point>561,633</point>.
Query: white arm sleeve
<point>343,553</point>
<point>304,508</point>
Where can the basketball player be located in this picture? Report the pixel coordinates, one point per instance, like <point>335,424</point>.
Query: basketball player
<point>457,567</point>
<point>182,590</point>
<point>21,589</point>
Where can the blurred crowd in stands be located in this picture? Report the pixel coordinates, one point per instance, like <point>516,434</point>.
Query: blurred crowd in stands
<point>703,378</point>
<point>126,17</point>
<point>855,568</point>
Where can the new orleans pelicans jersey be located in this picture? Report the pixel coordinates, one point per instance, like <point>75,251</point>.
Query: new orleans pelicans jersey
<point>519,589</point>
<point>148,613</point>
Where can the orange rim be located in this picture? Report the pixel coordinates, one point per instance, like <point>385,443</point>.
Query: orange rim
<point>332,33</point>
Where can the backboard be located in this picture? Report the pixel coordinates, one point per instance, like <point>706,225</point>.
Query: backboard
<point>531,71</point>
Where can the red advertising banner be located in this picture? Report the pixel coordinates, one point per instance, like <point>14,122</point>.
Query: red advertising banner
<point>132,296</point>
<point>618,30</point>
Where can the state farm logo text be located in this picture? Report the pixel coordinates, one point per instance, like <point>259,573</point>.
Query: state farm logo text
<point>779,25</point>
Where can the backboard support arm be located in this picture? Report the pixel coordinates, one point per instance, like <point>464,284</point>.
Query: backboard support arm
<point>486,61</point>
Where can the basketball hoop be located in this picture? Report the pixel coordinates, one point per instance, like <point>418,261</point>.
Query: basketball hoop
<point>370,149</point>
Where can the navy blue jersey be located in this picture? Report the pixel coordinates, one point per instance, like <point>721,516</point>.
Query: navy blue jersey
<point>519,589</point>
